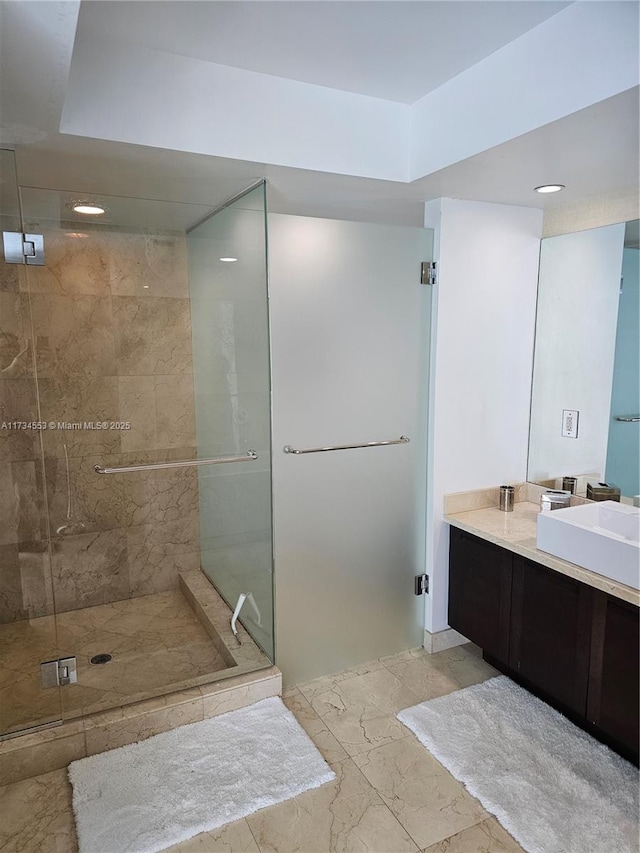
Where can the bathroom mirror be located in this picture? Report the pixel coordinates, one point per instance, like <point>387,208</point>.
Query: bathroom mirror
<point>585,402</point>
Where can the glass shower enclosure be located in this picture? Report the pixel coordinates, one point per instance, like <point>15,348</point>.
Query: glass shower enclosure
<point>135,477</point>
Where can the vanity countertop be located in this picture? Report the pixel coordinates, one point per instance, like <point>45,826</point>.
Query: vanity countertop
<point>516,531</point>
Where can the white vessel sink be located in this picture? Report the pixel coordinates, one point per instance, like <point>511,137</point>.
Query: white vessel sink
<point>603,537</point>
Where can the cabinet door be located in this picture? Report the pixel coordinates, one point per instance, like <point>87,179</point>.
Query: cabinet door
<point>613,674</point>
<point>480,592</point>
<point>550,633</point>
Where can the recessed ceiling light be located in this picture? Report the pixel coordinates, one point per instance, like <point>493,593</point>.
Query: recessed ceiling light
<point>87,208</point>
<point>549,188</point>
<point>146,286</point>
<point>228,260</point>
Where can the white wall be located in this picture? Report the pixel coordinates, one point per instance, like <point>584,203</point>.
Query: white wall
<point>482,352</point>
<point>575,346</point>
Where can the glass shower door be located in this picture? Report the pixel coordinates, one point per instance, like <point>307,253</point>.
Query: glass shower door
<point>28,635</point>
<point>145,357</point>
<point>228,285</point>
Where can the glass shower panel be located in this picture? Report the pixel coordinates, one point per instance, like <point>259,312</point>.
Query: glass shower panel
<point>228,281</point>
<point>27,626</point>
<point>116,354</point>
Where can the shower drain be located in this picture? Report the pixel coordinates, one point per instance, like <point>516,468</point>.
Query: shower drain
<point>104,658</point>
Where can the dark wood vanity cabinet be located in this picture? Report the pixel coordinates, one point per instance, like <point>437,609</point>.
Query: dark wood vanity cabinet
<point>550,631</point>
<point>480,592</point>
<point>613,701</point>
<point>572,645</point>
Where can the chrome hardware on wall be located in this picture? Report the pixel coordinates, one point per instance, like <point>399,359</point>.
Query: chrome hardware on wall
<point>250,455</point>
<point>402,440</point>
<point>628,419</point>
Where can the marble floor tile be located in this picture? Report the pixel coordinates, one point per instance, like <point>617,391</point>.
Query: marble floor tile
<point>342,816</point>
<point>37,816</point>
<point>390,795</point>
<point>360,711</point>
<point>485,837</point>
<point>426,799</point>
<point>463,665</point>
<point>423,679</point>
<point>325,682</point>
<point>407,654</point>
<point>325,741</point>
<point>232,838</point>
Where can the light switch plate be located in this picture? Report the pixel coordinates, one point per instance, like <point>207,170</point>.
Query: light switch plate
<point>570,423</point>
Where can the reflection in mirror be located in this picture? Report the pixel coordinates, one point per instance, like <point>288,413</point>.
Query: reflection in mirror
<point>587,360</point>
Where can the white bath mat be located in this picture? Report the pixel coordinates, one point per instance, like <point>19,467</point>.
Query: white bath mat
<point>147,796</point>
<point>551,785</point>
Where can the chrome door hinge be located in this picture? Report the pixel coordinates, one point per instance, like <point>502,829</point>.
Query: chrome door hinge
<point>428,274</point>
<point>58,673</point>
<point>421,584</point>
<point>23,248</point>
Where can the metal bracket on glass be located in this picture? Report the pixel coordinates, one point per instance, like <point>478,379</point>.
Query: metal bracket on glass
<point>23,248</point>
<point>402,440</point>
<point>58,673</point>
<point>250,455</point>
<point>628,419</point>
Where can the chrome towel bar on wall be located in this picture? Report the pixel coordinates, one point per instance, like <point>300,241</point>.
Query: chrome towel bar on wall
<point>402,440</point>
<point>250,455</point>
<point>628,419</point>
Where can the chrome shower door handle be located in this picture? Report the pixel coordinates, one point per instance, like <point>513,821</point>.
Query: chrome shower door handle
<point>402,440</point>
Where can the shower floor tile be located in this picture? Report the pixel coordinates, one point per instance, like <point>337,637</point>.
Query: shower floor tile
<point>157,645</point>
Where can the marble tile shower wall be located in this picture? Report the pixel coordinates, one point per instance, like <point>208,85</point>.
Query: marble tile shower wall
<point>105,328</point>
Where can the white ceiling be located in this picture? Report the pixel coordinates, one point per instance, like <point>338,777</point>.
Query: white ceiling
<point>593,150</point>
<point>398,50</point>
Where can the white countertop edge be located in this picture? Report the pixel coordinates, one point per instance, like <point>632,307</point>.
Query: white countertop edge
<point>472,522</point>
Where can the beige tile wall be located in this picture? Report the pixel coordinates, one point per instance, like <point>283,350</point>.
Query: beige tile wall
<point>25,572</point>
<point>105,327</point>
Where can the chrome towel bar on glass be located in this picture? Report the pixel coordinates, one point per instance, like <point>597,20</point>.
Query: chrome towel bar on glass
<point>628,419</point>
<point>188,463</point>
<point>402,440</point>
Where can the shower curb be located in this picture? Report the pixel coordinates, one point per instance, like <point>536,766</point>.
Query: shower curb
<point>31,754</point>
